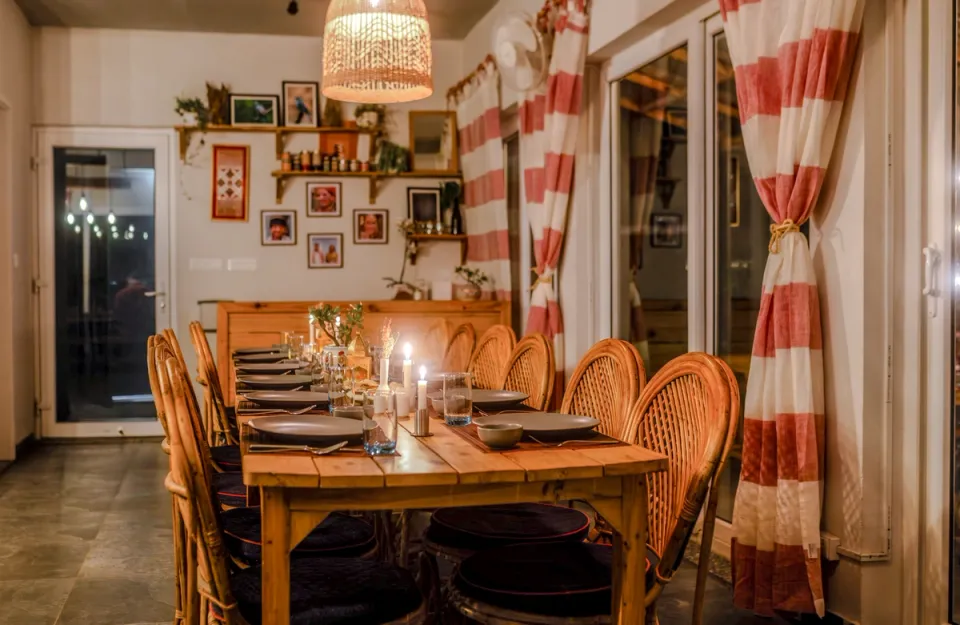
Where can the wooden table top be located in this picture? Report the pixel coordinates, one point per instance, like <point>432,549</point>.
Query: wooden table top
<point>441,460</point>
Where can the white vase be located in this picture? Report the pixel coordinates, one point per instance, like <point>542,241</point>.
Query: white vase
<point>190,119</point>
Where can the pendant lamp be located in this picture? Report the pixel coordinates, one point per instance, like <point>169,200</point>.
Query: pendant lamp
<point>377,51</point>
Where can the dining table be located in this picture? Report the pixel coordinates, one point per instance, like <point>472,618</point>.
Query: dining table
<point>297,490</point>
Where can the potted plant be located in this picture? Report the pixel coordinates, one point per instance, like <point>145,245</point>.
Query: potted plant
<point>405,290</point>
<point>370,116</point>
<point>475,279</point>
<point>339,325</point>
<point>193,112</point>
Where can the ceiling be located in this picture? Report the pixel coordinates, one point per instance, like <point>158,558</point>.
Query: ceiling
<point>449,19</point>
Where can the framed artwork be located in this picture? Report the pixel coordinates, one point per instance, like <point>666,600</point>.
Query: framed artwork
<point>370,226</point>
<point>666,230</point>
<point>301,104</point>
<point>254,111</point>
<point>231,189</point>
<point>423,206</point>
<point>278,227</point>
<point>323,199</point>
<point>325,251</point>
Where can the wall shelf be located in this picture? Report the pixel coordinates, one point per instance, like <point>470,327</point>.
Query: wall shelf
<point>373,176</point>
<point>280,132</point>
<point>430,238</point>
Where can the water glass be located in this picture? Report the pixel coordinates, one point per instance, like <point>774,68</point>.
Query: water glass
<point>380,427</point>
<point>458,398</point>
<point>295,343</point>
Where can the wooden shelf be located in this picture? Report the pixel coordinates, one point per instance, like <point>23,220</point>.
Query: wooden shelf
<point>280,132</point>
<point>373,176</point>
<point>429,238</point>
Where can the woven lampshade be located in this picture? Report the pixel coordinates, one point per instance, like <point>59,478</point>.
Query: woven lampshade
<point>377,51</point>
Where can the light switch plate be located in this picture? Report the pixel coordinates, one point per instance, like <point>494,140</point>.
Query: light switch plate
<point>206,264</point>
<point>241,264</point>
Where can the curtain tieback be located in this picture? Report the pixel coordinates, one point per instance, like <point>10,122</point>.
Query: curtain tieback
<point>542,278</point>
<point>778,231</point>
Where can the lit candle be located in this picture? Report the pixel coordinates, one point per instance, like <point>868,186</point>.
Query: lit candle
<point>336,331</point>
<point>422,390</point>
<point>310,330</point>
<point>407,367</point>
<point>403,404</point>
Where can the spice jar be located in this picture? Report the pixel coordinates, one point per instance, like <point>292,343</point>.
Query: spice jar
<point>317,161</point>
<point>344,165</point>
<point>326,163</point>
<point>354,165</point>
<point>285,162</point>
<point>364,166</point>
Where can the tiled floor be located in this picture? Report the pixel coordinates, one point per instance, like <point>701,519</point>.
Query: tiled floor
<point>85,539</point>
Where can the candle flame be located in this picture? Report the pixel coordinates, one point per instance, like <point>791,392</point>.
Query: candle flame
<point>423,373</point>
<point>407,351</point>
<point>338,320</point>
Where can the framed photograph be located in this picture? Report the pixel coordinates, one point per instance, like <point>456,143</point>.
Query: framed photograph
<point>370,226</point>
<point>254,111</point>
<point>423,205</point>
<point>278,227</point>
<point>301,104</point>
<point>323,199</point>
<point>666,230</point>
<point>231,188</point>
<point>325,251</point>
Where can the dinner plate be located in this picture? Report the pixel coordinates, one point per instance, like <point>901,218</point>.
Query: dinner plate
<point>276,367</point>
<point>546,424</point>
<point>497,400</point>
<point>309,428</point>
<point>286,399</point>
<point>275,382</point>
<point>264,358</point>
<point>250,351</point>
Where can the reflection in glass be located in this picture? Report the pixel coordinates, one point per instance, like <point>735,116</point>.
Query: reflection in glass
<point>653,200</point>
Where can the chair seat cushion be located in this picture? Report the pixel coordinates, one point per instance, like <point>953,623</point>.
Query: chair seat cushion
<point>230,489</point>
<point>338,536</point>
<point>335,591</point>
<point>485,527</point>
<point>227,457</point>
<point>554,579</point>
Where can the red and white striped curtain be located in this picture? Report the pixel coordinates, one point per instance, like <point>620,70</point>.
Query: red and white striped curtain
<point>485,198</point>
<point>549,126</point>
<point>792,62</point>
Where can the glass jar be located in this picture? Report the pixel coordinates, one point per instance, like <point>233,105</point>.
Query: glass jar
<point>458,398</point>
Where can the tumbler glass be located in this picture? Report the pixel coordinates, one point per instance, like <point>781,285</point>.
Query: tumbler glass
<point>458,398</point>
<point>380,427</point>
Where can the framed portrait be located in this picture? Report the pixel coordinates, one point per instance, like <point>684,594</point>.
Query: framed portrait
<point>301,104</point>
<point>231,188</point>
<point>370,226</point>
<point>323,199</point>
<point>423,206</point>
<point>325,251</point>
<point>254,111</point>
<point>666,230</point>
<point>278,227</point>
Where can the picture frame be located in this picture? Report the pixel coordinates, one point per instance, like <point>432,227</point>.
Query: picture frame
<point>423,207</point>
<point>371,226</point>
<point>301,104</point>
<point>231,177</point>
<point>278,227</point>
<point>325,250</point>
<point>324,199</point>
<point>666,230</point>
<point>254,111</point>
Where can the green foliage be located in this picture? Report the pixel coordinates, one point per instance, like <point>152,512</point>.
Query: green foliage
<point>473,276</point>
<point>351,321</point>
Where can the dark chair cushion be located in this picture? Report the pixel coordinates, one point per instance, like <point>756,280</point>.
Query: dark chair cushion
<point>338,536</point>
<point>555,579</point>
<point>227,458</point>
<point>335,591</point>
<point>485,527</point>
<point>230,489</point>
<point>231,412</point>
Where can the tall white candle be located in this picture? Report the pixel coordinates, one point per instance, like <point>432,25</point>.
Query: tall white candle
<point>407,367</point>
<point>310,330</point>
<point>422,390</point>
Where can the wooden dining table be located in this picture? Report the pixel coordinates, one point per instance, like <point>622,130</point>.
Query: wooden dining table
<point>297,491</point>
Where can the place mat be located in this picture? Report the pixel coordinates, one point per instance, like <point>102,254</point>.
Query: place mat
<point>469,433</point>
<point>250,435</point>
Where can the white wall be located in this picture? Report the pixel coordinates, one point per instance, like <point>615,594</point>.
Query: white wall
<point>16,235</point>
<point>130,78</point>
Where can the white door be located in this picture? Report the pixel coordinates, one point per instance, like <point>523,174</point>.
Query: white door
<point>105,199</point>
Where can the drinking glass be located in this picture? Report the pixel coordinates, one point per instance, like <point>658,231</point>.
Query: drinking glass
<point>380,428</point>
<point>295,343</point>
<point>458,398</point>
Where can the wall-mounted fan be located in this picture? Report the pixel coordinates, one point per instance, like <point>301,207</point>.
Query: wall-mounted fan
<point>521,51</point>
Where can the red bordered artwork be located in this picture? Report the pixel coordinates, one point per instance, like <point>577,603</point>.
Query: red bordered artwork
<point>231,182</point>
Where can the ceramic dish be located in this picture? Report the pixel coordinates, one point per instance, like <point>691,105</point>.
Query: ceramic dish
<point>261,358</point>
<point>279,367</point>
<point>287,400</point>
<point>309,428</point>
<point>275,382</point>
<point>250,351</point>
<point>500,435</point>
<point>544,425</point>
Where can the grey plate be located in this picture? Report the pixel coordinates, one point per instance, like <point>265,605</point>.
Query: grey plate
<point>275,382</point>
<point>309,428</point>
<point>546,424</point>
<point>265,358</point>
<point>279,367</point>
<point>286,399</point>
<point>497,400</point>
<point>249,351</point>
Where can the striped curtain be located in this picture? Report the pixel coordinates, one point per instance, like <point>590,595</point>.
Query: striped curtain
<point>792,62</point>
<point>549,126</point>
<point>485,210</point>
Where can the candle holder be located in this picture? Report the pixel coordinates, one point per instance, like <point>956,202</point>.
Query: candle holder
<point>421,426</point>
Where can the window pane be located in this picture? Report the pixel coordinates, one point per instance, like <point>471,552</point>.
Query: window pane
<point>653,200</point>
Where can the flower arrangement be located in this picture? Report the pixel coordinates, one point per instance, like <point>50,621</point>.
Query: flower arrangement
<point>336,324</point>
<point>474,277</point>
<point>388,338</point>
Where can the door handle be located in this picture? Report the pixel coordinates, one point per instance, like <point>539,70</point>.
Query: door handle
<point>154,294</point>
<point>931,258</point>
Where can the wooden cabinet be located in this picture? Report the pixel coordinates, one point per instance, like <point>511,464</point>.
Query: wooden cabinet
<point>257,324</point>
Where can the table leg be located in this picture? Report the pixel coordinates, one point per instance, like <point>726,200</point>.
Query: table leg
<point>630,554</point>
<point>275,536</point>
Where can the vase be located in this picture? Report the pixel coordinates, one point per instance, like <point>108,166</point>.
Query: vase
<point>470,292</point>
<point>189,119</point>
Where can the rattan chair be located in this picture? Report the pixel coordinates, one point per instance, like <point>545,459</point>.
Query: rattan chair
<point>460,348</point>
<point>686,413</point>
<point>217,419</point>
<point>322,589</point>
<point>532,370</point>
<point>433,346</point>
<point>491,356</point>
<point>605,384</point>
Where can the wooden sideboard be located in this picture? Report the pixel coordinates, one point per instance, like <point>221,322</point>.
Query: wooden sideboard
<point>257,324</point>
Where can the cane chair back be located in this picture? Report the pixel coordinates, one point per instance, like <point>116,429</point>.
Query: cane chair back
<point>155,388</point>
<point>685,414</point>
<point>489,360</point>
<point>605,385</point>
<point>217,425</point>
<point>532,370</point>
<point>460,348</point>
<point>171,337</point>
<point>433,347</point>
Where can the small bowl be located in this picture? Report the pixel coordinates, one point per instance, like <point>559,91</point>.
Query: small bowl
<point>349,412</point>
<point>500,435</point>
<point>437,403</point>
